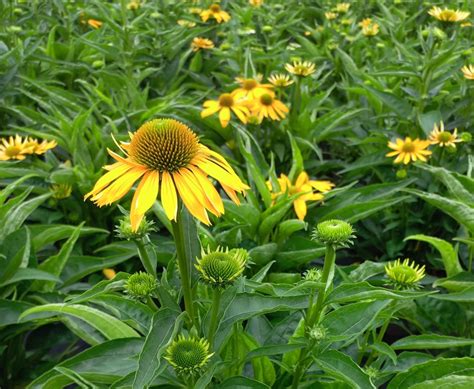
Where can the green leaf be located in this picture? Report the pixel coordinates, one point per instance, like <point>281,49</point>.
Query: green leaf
<point>342,367</point>
<point>459,282</point>
<point>18,240</point>
<point>297,165</point>
<point>106,324</point>
<point>10,311</point>
<point>449,256</point>
<point>242,383</point>
<point>31,274</point>
<point>394,103</point>
<point>432,370</point>
<point>430,341</point>
<point>384,349</point>
<point>464,296</point>
<point>453,381</point>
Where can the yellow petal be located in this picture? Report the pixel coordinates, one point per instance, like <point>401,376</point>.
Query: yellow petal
<point>169,199</point>
<point>302,179</point>
<point>224,116</point>
<point>189,199</point>
<point>209,190</point>
<point>300,208</point>
<point>231,193</point>
<point>146,193</point>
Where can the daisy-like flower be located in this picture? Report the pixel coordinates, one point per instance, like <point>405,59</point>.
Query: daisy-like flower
<point>280,80</point>
<point>94,23</point>
<point>309,190</point>
<point>186,23</point>
<point>300,68</point>
<point>188,356</point>
<point>343,7</point>
<point>365,22</point>
<point>224,105</point>
<point>369,27</point>
<point>250,88</point>
<point>266,105</point>
<point>330,15</point>
<point>448,15</point>
<point>14,148</point>
<point>133,5</point>
<point>201,43</point>
<point>409,150</point>
<point>444,138</point>
<point>215,12</point>
<point>165,154</point>
<point>256,3</point>
<point>468,71</point>
<point>404,275</point>
<point>36,147</point>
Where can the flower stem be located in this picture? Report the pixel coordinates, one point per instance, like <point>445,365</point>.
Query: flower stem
<point>184,266</point>
<point>145,258</point>
<point>216,299</point>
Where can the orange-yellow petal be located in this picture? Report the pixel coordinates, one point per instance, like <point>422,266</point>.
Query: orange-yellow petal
<point>169,199</point>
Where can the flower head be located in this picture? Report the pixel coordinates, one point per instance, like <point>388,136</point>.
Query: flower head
<point>266,105</point>
<point>14,148</point>
<point>188,356</point>
<point>330,15</point>
<point>166,154</point>
<point>224,105</point>
<point>186,23</point>
<point>448,15</point>
<point>409,150</point>
<point>468,71</point>
<point>308,190</point>
<point>318,333</point>
<point>140,285</point>
<point>250,88</point>
<point>300,68</point>
<point>280,80</point>
<point>94,23</point>
<point>336,233</point>
<point>221,267</point>
<point>133,5</point>
<point>313,274</point>
<point>444,138</point>
<point>36,147</point>
<point>201,43</point>
<point>342,7</point>
<point>369,27</point>
<point>404,275</point>
<point>215,12</point>
<point>256,3</point>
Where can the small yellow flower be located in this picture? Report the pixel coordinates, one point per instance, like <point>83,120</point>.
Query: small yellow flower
<point>343,7</point>
<point>250,88</point>
<point>94,23</point>
<point>309,190</point>
<point>35,147</point>
<point>133,5</point>
<point>448,15</point>
<point>409,150</point>
<point>369,27</point>
<point>300,68</point>
<point>405,275</point>
<point>265,105</point>
<point>166,155</point>
<point>224,105</point>
<point>256,3</point>
<point>109,273</point>
<point>14,148</point>
<point>365,22</point>
<point>186,23</point>
<point>444,138</point>
<point>468,71</point>
<point>280,80</point>
<point>201,43</point>
<point>215,12</point>
<point>330,15</point>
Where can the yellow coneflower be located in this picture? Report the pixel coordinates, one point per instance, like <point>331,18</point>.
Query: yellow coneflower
<point>342,7</point>
<point>280,80</point>
<point>300,68</point>
<point>109,273</point>
<point>444,138</point>
<point>405,275</point>
<point>166,154</point>
<point>369,27</point>
<point>201,43</point>
<point>311,190</point>
<point>409,150</point>
<point>266,105</point>
<point>468,71</point>
<point>133,5</point>
<point>215,12</point>
<point>256,3</point>
<point>36,147</point>
<point>448,15</point>
<point>224,105</point>
<point>250,88</point>
<point>330,15</point>
<point>14,148</point>
<point>94,23</point>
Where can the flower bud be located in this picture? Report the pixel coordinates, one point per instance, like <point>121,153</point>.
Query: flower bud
<point>124,229</point>
<point>140,285</point>
<point>334,233</point>
<point>188,356</point>
<point>404,275</point>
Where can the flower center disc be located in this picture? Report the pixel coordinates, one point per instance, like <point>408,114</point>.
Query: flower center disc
<point>249,84</point>
<point>408,147</point>
<point>266,99</point>
<point>12,151</point>
<point>445,136</point>
<point>164,145</point>
<point>226,100</point>
<point>215,8</point>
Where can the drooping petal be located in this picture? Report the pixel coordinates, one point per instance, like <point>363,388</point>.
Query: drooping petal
<point>224,116</point>
<point>190,200</point>
<point>169,199</point>
<point>300,208</point>
<point>198,191</point>
<point>146,193</point>
<point>209,189</point>
<point>119,170</point>
<point>231,193</point>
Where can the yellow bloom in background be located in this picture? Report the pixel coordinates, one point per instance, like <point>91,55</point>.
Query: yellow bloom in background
<point>343,7</point>
<point>309,190</point>
<point>94,23</point>
<point>369,27</point>
<point>280,80</point>
<point>224,105</point>
<point>109,273</point>
<point>365,22</point>
<point>215,12</point>
<point>35,147</point>
<point>444,138</point>
<point>266,105</point>
<point>133,5</point>
<point>468,71</point>
<point>195,10</point>
<point>448,15</point>
<point>250,88</point>
<point>330,15</point>
<point>409,150</point>
<point>256,3</point>
<point>466,24</point>
<point>166,155</point>
<point>14,148</point>
<point>300,68</point>
<point>201,43</point>
<point>186,23</point>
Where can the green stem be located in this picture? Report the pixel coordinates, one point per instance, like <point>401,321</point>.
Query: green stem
<point>383,329</point>
<point>151,304</point>
<point>184,269</point>
<point>145,258</point>
<point>216,300</point>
